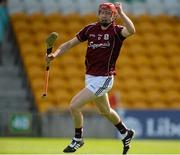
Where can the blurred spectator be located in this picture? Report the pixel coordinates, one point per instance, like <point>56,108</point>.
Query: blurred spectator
<point>3,24</point>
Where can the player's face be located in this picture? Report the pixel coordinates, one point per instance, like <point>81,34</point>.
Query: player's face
<point>105,17</point>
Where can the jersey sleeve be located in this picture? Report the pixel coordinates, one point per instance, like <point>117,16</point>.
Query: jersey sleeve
<point>118,31</point>
<point>82,35</point>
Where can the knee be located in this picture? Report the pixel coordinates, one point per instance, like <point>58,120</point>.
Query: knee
<point>73,106</point>
<point>106,113</point>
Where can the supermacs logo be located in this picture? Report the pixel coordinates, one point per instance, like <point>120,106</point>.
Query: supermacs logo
<point>100,45</point>
<point>103,37</point>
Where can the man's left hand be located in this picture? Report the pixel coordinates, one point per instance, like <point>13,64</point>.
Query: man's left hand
<point>118,6</point>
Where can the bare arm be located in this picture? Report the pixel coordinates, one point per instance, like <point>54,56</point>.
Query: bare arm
<point>129,28</point>
<point>63,48</point>
<point>66,46</point>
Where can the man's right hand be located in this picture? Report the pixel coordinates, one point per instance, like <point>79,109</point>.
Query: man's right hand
<point>49,58</point>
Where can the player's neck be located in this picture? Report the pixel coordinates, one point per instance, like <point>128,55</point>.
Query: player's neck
<point>105,27</point>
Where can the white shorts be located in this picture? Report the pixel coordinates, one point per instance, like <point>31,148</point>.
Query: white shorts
<point>99,85</point>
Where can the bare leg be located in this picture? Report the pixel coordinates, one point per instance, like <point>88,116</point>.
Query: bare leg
<point>77,102</point>
<point>103,105</point>
<point>84,96</point>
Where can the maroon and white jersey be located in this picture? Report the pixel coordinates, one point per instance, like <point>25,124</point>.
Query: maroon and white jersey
<point>103,48</point>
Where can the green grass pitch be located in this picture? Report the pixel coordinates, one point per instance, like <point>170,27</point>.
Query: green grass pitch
<point>92,146</point>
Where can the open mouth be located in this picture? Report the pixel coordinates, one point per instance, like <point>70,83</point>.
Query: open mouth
<point>104,23</point>
<point>104,20</point>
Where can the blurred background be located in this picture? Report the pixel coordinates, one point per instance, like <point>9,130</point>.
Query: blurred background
<point>146,91</point>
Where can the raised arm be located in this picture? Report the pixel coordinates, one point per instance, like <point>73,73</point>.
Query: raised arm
<point>129,28</point>
<point>63,48</point>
